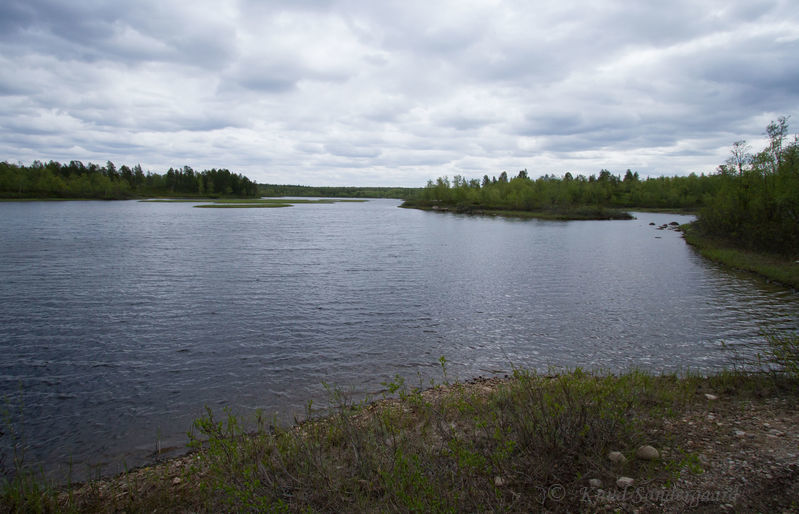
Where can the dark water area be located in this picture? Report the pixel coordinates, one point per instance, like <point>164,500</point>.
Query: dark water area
<point>121,321</point>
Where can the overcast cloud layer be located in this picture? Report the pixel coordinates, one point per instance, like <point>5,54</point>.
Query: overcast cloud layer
<point>337,92</point>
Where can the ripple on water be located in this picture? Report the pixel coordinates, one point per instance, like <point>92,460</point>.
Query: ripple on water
<point>120,321</point>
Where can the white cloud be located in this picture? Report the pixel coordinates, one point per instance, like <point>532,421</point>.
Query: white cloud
<point>393,93</point>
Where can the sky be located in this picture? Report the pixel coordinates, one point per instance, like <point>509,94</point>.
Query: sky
<point>393,93</point>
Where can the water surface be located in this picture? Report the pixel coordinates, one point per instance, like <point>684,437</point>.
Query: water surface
<point>120,321</point>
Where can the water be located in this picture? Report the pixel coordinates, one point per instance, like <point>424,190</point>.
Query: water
<point>120,321</point>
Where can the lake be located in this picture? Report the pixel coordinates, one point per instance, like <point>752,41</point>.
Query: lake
<point>120,321</point>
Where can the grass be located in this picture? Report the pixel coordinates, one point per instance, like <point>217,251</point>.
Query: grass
<point>272,201</point>
<point>528,442</point>
<point>585,212</point>
<point>773,267</point>
<point>783,351</point>
<point>242,205</point>
<point>667,210</point>
<point>579,214</point>
<point>525,443</point>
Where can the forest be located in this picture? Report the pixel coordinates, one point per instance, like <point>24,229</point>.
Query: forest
<point>550,192</point>
<point>752,200</point>
<point>337,192</point>
<point>756,203</point>
<point>78,180</point>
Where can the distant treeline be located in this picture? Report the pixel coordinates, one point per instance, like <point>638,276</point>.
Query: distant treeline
<point>751,201</point>
<point>78,180</point>
<point>337,192</point>
<point>756,205</point>
<point>521,193</point>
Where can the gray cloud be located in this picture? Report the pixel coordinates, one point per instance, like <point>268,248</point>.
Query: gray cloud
<point>343,92</point>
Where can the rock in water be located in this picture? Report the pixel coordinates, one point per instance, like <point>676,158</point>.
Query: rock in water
<point>647,452</point>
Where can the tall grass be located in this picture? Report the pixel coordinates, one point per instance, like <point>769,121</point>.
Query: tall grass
<point>783,350</point>
<point>527,443</point>
<point>22,488</point>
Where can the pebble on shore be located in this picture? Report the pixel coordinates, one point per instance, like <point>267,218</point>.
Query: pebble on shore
<point>617,457</point>
<point>647,452</point>
<point>624,482</point>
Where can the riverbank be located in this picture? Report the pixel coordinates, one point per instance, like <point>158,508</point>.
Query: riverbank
<point>770,266</point>
<point>140,197</point>
<point>516,444</point>
<point>571,214</point>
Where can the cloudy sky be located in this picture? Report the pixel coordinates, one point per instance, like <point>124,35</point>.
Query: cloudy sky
<point>338,92</point>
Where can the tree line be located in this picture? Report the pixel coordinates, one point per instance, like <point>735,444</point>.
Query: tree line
<point>79,180</point>
<point>550,192</point>
<point>756,205</point>
<point>752,200</point>
<point>337,192</point>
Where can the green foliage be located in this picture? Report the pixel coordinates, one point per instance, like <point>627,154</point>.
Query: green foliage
<point>22,489</point>
<point>783,350</point>
<point>524,444</point>
<point>243,205</point>
<point>573,197</point>
<point>688,460</point>
<point>757,205</point>
<point>75,180</point>
<point>442,452</point>
<point>752,202</point>
<point>27,492</point>
<point>776,267</point>
<point>336,192</point>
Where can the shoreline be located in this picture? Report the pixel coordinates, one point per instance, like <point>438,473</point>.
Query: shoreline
<point>181,197</point>
<point>774,268</point>
<point>577,214</point>
<point>725,442</point>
